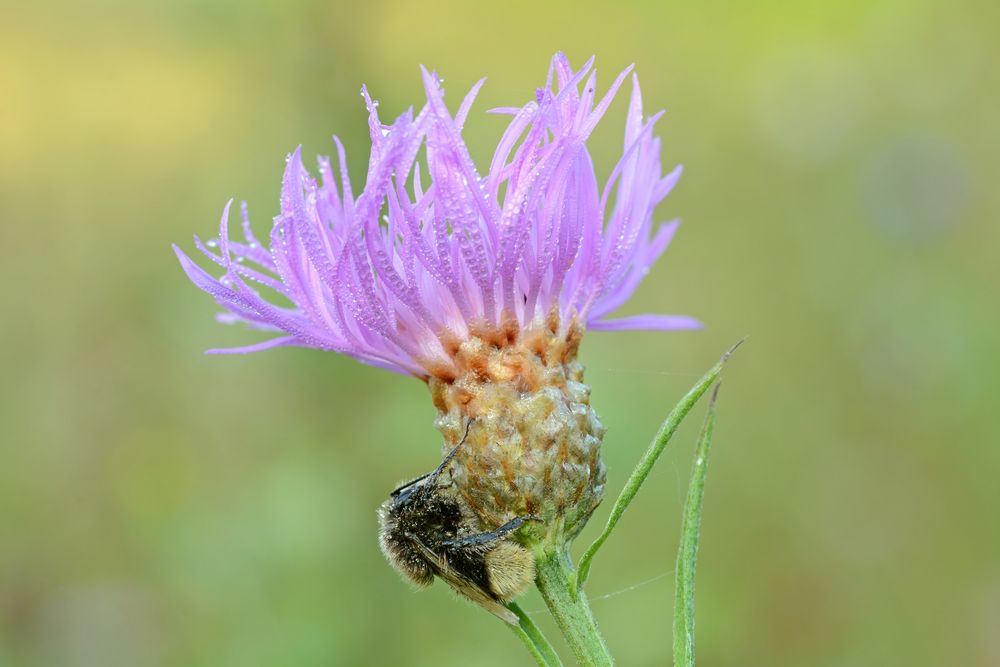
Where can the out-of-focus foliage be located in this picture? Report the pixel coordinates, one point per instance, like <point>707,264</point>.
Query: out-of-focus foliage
<point>159,507</point>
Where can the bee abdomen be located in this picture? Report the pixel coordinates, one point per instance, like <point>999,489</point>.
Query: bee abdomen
<point>510,569</point>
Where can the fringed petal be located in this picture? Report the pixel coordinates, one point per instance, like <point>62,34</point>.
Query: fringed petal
<point>653,322</point>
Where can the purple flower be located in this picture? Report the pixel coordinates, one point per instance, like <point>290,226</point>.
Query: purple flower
<point>430,252</point>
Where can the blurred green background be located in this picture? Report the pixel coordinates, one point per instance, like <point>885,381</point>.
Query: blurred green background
<point>161,507</point>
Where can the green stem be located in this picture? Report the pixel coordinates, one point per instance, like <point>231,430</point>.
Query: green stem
<point>539,647</point>
<point>530,645</point>
<point>556,581</point>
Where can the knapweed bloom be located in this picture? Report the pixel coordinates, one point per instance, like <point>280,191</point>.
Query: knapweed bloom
<point>479,283</point>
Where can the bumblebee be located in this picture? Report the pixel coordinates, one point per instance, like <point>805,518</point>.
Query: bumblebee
<point>426,530</point>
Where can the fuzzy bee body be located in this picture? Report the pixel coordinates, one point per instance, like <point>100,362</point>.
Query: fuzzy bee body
<point>427,531</point>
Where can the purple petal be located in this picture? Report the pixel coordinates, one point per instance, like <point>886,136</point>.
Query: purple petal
<point>247,349</point>
<point>653,322</point>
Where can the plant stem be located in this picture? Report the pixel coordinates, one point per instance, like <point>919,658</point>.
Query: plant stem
<point>539,647</point>
<point>556,580</point>
<point>530,645</point>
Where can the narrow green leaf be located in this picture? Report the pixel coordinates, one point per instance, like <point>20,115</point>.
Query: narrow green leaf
<point>645,465</point>
<point>539,647</point>
<point>687,554</point>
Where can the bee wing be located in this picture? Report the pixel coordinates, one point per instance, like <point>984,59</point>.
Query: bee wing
<point>464,585</point>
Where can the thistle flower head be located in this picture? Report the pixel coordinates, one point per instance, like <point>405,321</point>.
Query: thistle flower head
<point>480,283</point>
<point>431,253</point>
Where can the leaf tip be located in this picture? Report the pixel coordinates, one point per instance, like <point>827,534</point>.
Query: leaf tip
<point>730,351</point>
<point>715,395</point>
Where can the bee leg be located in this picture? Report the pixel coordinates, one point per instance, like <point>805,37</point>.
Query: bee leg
<point>403,487</point>
<point>493,535</point>
<point>432,477</point>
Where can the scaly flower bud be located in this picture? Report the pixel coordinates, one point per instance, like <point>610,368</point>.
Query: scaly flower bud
<point>534,445</point>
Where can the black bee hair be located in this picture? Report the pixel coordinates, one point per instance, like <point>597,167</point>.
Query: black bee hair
<point>427,530</point>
